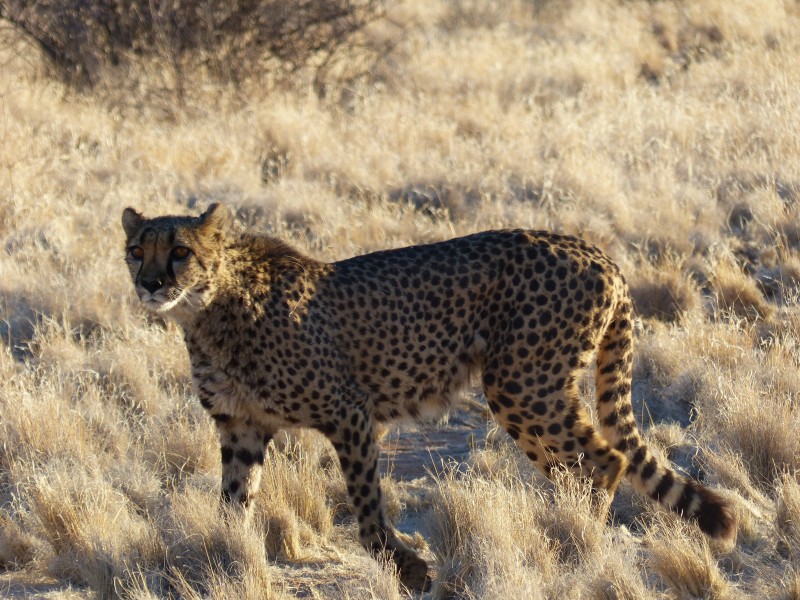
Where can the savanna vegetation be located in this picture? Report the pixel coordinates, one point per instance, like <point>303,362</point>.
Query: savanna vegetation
<point>665,132</point>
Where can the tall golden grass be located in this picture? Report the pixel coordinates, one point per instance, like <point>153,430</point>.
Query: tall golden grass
<point>667,133</point>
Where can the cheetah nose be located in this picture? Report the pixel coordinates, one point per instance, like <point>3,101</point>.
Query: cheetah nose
<point>151,285</point>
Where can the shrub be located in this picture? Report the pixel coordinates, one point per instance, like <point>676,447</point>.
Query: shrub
<point>230,39</point>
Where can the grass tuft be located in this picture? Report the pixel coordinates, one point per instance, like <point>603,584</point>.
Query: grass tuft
<point>684,561</point>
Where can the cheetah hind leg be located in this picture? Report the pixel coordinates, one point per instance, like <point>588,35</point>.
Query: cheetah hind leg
<point>355,445</point>
<point>555,429</point>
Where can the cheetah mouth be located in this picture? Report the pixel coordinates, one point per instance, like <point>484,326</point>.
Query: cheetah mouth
<point>152,303</point>
<point>161,302</point>
<point>151,300</point>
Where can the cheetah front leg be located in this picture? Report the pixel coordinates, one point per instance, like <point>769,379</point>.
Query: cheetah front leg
<point>355,445</point>
<point>242,448</point>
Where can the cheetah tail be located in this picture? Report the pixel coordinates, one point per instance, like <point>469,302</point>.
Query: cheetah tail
<point>687,497</point>
<point>649,476</point>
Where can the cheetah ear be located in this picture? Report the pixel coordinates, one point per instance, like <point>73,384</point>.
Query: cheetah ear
<point>216,218</point>
<point>131,222</point>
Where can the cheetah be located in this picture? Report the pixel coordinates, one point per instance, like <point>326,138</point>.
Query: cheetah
<point>277,339</point>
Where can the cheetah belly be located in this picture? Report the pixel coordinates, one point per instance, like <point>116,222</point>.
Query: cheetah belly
<point>430,386</point>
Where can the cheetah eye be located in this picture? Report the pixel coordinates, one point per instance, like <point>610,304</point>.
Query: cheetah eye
<point>180,252</point>
<point>136,252</point>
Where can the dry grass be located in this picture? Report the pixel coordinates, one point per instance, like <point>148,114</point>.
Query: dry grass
<point>664,291</point>
<point>667,133</point>
<point>686,564</point>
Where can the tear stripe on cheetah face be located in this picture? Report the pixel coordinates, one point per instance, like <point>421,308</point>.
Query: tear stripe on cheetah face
<point>278,339</point>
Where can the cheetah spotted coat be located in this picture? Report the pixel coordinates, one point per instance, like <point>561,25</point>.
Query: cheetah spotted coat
<point>277,339</point>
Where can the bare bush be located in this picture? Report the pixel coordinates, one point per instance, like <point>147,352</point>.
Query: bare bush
<point>230,40</point>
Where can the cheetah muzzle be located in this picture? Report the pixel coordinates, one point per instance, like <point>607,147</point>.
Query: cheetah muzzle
<point>277,339</point>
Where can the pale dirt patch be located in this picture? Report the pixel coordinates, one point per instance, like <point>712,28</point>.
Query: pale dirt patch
<point>409,453</point>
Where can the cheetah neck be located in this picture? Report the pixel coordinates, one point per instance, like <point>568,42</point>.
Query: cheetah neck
<point>253,272</point>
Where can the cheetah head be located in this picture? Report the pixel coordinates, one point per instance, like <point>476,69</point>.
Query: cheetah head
<point>173,260</point>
